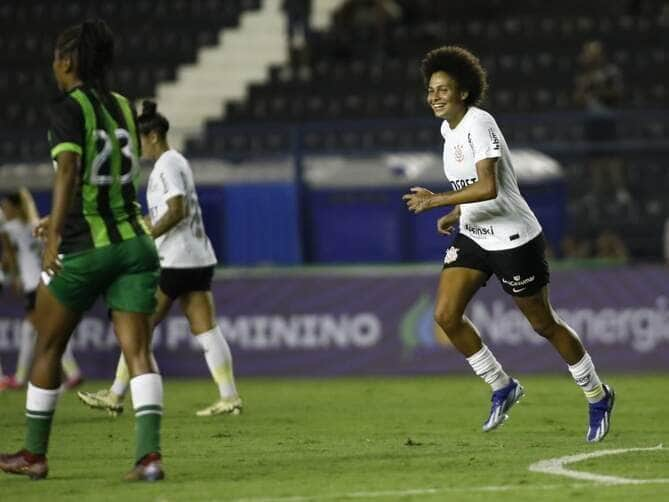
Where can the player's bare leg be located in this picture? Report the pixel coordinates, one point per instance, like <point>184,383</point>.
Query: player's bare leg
<point>198,307</point>
<point>111,400</point>
<point>539,312</point>
<point>457,286</point>
<point>54,323</point>
<point>133,331</point>
<point>543,318</point>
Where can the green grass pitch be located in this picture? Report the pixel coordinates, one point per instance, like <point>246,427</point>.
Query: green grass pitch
<point>353,439</point>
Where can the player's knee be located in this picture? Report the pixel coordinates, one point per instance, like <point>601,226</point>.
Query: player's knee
<point>545,327</point>
<point>447,319</point>
<point>50,344</point>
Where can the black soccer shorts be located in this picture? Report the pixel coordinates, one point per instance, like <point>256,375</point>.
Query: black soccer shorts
<point>522,271</point>
<point>175,282</point>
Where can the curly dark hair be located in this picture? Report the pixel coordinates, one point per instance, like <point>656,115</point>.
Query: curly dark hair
<point>460,64</point>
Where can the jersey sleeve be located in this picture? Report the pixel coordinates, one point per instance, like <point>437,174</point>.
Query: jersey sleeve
<point>170,180</point>
<point>484,139</point>
<point>66,127</point>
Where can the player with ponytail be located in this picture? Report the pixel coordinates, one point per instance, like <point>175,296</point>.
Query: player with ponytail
<point>96,244</point>
<point>187,266</point>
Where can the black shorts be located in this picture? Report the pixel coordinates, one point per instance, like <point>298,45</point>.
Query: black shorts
<point>522,271</point>
<point>175,282</point>
<point>30,298</point>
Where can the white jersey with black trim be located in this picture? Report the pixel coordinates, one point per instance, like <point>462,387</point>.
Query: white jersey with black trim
<point>506,221</point>
<point>186,245</point>
<point>28,252</point>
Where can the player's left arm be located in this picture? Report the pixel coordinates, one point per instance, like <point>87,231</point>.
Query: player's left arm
<point>484,188</point>
<point>176,211</point>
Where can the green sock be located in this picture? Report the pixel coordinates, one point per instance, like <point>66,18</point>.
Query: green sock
<point>40,407</point>
<point>39,428</point>
<point>147,430</point>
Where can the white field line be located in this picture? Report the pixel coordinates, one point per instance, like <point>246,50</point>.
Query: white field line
<point>410,492</point>
<point>549,466</point>
<point>556,466</point>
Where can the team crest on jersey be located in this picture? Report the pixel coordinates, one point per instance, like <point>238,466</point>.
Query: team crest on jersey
<point>451,255</point>
<point>459,154</point>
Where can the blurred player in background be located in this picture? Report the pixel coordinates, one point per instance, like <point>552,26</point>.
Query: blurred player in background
<point>96,244</point>
<point>499,234</point>
<point>22,256</point>
<point>187,262</point>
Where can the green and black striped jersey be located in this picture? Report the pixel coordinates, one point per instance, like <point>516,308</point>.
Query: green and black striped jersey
<point>104,133</point>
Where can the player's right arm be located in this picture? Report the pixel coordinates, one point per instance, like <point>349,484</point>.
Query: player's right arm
<point>10,262</point>
<point>67,139</point>
<point>176,211</point>
<point>174,190</point>
<point>63,191</point>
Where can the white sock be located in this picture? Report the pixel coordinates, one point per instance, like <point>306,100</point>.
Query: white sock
<point>147,390</point>
<point>41,400</point>
<point>69,363</point>
<point>122,377</point>
<point>487,367</point>
<point>219,359</point>
<point>26,351</point>
<point>586,377</point>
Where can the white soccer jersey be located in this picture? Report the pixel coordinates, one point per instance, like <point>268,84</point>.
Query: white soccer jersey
<point>28,252</point>
<point>506,221</point>
<point>186,245</point>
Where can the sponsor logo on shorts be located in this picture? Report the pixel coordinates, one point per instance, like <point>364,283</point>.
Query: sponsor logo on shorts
<point>518,281</point>
<point>451,255</point>
<point>479,231</point>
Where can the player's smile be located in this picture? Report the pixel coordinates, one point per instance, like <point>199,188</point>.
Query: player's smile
<point>444,96</point>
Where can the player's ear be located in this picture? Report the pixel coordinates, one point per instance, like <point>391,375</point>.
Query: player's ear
<point>154,137</point>
<point>68,63</point>
<point>464,95</point>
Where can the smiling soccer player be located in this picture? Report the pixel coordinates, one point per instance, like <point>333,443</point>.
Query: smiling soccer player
<point>499,234</point>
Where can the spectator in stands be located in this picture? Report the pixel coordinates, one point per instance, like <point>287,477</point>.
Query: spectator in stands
<point>599,89</point>
<point>298,14</point>
<point>375,16</point>
<point>609,245</point>
<point>573,247</point>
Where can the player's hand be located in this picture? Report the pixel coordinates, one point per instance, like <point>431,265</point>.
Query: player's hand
<point>446,224</point>
<point>51,262</point>
<point>418,200</point>
<point>42,228</point>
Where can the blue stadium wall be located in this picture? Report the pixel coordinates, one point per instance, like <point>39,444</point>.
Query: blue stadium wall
<point>277,223</point>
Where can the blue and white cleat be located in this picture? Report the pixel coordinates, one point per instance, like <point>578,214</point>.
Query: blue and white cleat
<point>502,401</point>
<point>600,416</point>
